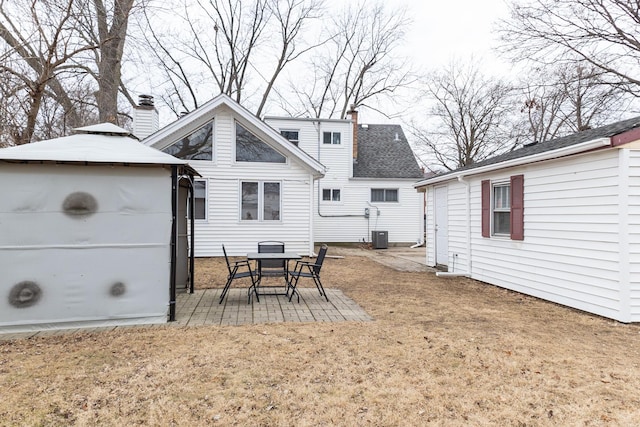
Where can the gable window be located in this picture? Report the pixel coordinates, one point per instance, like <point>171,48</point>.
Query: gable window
<point>260,201</point>
<point>249,148</point>
<point>330,195</point>
<point>331,138</point>
<point>200,196</point>
<point>503,208</point>
<point>384,194</point>
<point>195,146</point>
<point>291,135</point>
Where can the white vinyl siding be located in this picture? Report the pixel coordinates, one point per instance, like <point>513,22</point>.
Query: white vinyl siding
<point>224,180</point>
<point>572,216</point>
<point>632,231</point>
<point>430,217</point>
<point>403,220</point>
<point>571,252</point>
<point>345,221</point>
<point>457,227</point>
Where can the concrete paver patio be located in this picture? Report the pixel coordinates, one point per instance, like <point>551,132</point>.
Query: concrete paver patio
<point>202,308</point>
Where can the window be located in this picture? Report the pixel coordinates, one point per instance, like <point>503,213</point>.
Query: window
<point>196,146</point>
<point>331,138</point>
<point>330,195</point>
<point>260,201</point>
<point>249,148</point>
<point>291,136</point>
<point>503,208</point>
<point>384,194</point>
<point>200,196</point>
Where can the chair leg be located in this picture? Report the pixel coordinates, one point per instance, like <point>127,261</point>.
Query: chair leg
<point>291,284</point>
<point>224,291</point>
<point>316,279</point>
<point>226,286</point>
<point>253,289</point>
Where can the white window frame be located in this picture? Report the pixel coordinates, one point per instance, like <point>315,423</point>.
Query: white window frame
<point>385,195</point>
<point>260,218</point>
<point>332,137</point>
<point>213,141</point>
<point>253,162</point>
<point>206,199</point>
<point>332,194</point>
<point>295,142</point>
<point>501,209</point>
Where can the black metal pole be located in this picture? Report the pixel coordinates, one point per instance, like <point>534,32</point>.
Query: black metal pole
<point>174,229</point>
<point>192,215</point>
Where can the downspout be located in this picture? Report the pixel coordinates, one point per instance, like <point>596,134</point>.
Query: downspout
<point>311,219</point>
<point>173,246</point>
<point>468,220</point>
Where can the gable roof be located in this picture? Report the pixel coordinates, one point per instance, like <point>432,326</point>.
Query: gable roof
<point>203,114</point>
<point>567,145</point>
<point>384,152</point>
<point>102,143</point>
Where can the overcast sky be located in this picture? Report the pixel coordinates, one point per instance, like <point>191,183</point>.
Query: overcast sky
<point>446,30</point>
<point>452,28</point>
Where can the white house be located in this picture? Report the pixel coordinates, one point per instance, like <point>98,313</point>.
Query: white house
<point>558,220</point>
<point>87,230</point>
<point>255,184</point>
<point>368,186</point>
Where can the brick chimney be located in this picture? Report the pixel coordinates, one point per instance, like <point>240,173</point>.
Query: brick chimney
<point>145,117</point>
<point>354,119</point>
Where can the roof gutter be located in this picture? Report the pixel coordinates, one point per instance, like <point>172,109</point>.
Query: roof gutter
<point>547,155</point>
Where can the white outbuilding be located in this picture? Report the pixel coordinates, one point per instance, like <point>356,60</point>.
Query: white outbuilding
<point>89,232</point>
<point>558,220</point>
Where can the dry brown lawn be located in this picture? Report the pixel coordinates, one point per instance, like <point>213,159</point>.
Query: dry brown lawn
<point>440,352</point>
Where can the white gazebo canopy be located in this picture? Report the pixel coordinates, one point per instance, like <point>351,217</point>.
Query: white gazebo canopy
<point>102,143</point>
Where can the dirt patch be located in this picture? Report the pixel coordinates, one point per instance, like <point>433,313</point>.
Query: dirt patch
<point>441,351</point>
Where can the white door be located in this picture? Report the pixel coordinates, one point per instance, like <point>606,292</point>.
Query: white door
<point>441,226</point>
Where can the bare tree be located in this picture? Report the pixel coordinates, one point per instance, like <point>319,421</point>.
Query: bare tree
<point>358,65</point>
<point>556,101</point>
<point>38,48</point>
<point>230,47</point>
<point>291,17</point>
<point>62,59</point>
<point>105,24</point>
<point>467,122</point>
<point>600,32</point>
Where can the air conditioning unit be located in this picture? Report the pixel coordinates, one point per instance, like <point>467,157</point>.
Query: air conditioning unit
<point>380,239</point>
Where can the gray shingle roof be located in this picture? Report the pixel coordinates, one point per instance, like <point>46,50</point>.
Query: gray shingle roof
<point>565,141</point>
<point>383,155</point>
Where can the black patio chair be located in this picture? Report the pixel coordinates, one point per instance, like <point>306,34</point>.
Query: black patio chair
<point>245,271</point>
<point>269,267</point>
<point>310,270</point>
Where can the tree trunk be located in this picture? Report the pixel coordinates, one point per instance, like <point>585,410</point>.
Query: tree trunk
<point>111,49</point>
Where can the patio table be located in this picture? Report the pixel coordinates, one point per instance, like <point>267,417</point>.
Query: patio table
<point>282,256</point>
